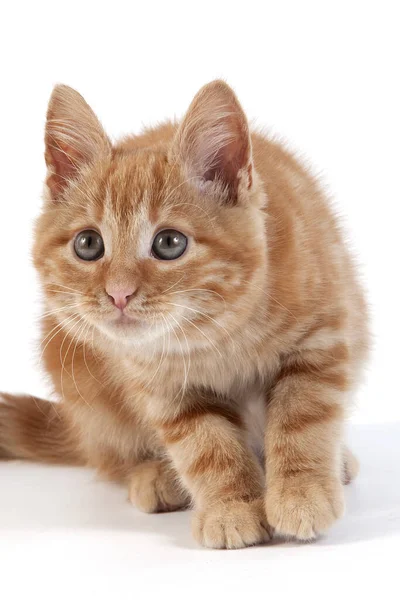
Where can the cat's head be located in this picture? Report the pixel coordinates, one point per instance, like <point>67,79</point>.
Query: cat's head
<point>162,237</point>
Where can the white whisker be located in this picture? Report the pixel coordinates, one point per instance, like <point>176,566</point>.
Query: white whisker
<point>161,359</point>
<point>206,316</point>
<point>63,360</point>
<point>65,293</point>
<point>186,367</point>
<point>271,297</point>
<point>205,290</point>
<point>172,286</point>
<point>203,334</point>
<point>72,364</point>
<point>59,327</point>
<point>62,309</point>
<point>65,287</point>
<point>84,355</point>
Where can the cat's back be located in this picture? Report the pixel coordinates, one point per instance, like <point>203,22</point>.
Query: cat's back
<point>311,271</point>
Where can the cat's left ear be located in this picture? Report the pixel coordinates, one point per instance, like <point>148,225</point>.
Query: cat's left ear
<point>74,138</point>
<point>213,143</point>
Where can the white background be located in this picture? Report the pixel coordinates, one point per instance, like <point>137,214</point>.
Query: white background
<point>322,75</point>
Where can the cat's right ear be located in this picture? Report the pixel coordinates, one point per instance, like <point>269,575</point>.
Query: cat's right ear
<point>74,138</point>
<point>213,143</point>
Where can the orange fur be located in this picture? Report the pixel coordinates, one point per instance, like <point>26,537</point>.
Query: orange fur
<point>258,329</point>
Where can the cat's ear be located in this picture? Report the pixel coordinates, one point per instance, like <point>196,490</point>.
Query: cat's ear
<point>74,138</point>
<point>213,142</point>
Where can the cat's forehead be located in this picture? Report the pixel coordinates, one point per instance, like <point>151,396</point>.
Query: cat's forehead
<point>137,187</point>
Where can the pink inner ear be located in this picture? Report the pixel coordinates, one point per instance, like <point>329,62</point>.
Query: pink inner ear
<point>214,139</point>
<point>229,160</point>
<point>64,164</point>
<point>74,138</point>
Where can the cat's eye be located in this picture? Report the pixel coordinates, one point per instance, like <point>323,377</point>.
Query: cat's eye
<point>169,244</point>
<point>89,245</point>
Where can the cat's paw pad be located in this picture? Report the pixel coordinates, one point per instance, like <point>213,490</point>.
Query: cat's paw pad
<point>153,488</point>
<point>231,525</point>
<point>303,508</point>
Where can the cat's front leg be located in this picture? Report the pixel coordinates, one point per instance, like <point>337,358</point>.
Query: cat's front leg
<point>304,443</point>
<point>207,446</point>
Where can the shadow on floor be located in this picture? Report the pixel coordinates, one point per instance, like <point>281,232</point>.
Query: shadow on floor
<point>40,498</point>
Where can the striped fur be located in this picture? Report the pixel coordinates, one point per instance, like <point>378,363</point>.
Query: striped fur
<point>245,351</point>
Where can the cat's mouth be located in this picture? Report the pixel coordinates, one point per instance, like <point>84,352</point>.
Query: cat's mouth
<point>124,320</point>
<point>134,325</point>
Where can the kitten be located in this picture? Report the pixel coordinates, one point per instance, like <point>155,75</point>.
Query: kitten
<point>202,313</point>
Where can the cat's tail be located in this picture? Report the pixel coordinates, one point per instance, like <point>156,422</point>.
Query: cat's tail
<point>35,429</point>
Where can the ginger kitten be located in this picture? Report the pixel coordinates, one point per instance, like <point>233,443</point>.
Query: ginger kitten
<point>204,327</point>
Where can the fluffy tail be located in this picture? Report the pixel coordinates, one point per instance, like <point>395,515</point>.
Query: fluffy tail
<point>35,429</point>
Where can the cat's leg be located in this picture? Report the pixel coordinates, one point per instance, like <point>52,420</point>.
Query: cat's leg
<point>154,486</point>
<point>304,452</point>
<point>208,448</point>
<point>123,450</point>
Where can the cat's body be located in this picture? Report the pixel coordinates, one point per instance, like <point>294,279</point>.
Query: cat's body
<point>257,331</point>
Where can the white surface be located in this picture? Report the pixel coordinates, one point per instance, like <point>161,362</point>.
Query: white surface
<point>325,76</point>
<point>61,529</point>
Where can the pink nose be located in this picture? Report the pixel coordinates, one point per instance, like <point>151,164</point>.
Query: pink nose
<point>120,297</point>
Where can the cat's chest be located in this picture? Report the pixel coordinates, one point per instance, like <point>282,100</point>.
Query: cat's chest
<point>240,380</point>
<point>224,372</point>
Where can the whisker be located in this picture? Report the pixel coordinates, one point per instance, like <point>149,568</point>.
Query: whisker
<point>271,297</point>
<point>63,360</point>
<point>182,355</point>
<point>207,317</point>
<point>145,368</point>
<point>55,311</point>
<point>186,367</point>
<point>66,293</point>
<point>65,287</point>
<point>161,359</point>
<point>72,364</point>
<point>172,286</point>
<point>203,334</point>
<point>198,290</point>
<point>84,355</point>
<point>59,327</point>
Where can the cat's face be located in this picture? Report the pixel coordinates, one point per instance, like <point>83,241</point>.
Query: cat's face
<point>149,243</point>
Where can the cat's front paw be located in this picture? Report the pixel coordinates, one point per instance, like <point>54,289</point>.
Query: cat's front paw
<point>303,507</point>
<point>153,487</point>
<point>231,524</point>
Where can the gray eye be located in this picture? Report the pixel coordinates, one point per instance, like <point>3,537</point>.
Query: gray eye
<point>89,245</point>
<point>169,244</point>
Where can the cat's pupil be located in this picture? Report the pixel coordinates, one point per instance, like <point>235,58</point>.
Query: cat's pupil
<point>171,241</point>
<point>89,245</point>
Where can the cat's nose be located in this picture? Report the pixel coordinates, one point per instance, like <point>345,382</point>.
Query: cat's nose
<point>120,296</point>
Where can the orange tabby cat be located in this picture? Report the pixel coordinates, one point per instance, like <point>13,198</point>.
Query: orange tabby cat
<point>202,317</point>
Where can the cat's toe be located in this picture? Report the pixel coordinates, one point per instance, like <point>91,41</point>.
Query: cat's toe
<point>153,488</point>
<point>304,508</point>
<point>231,525</point>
